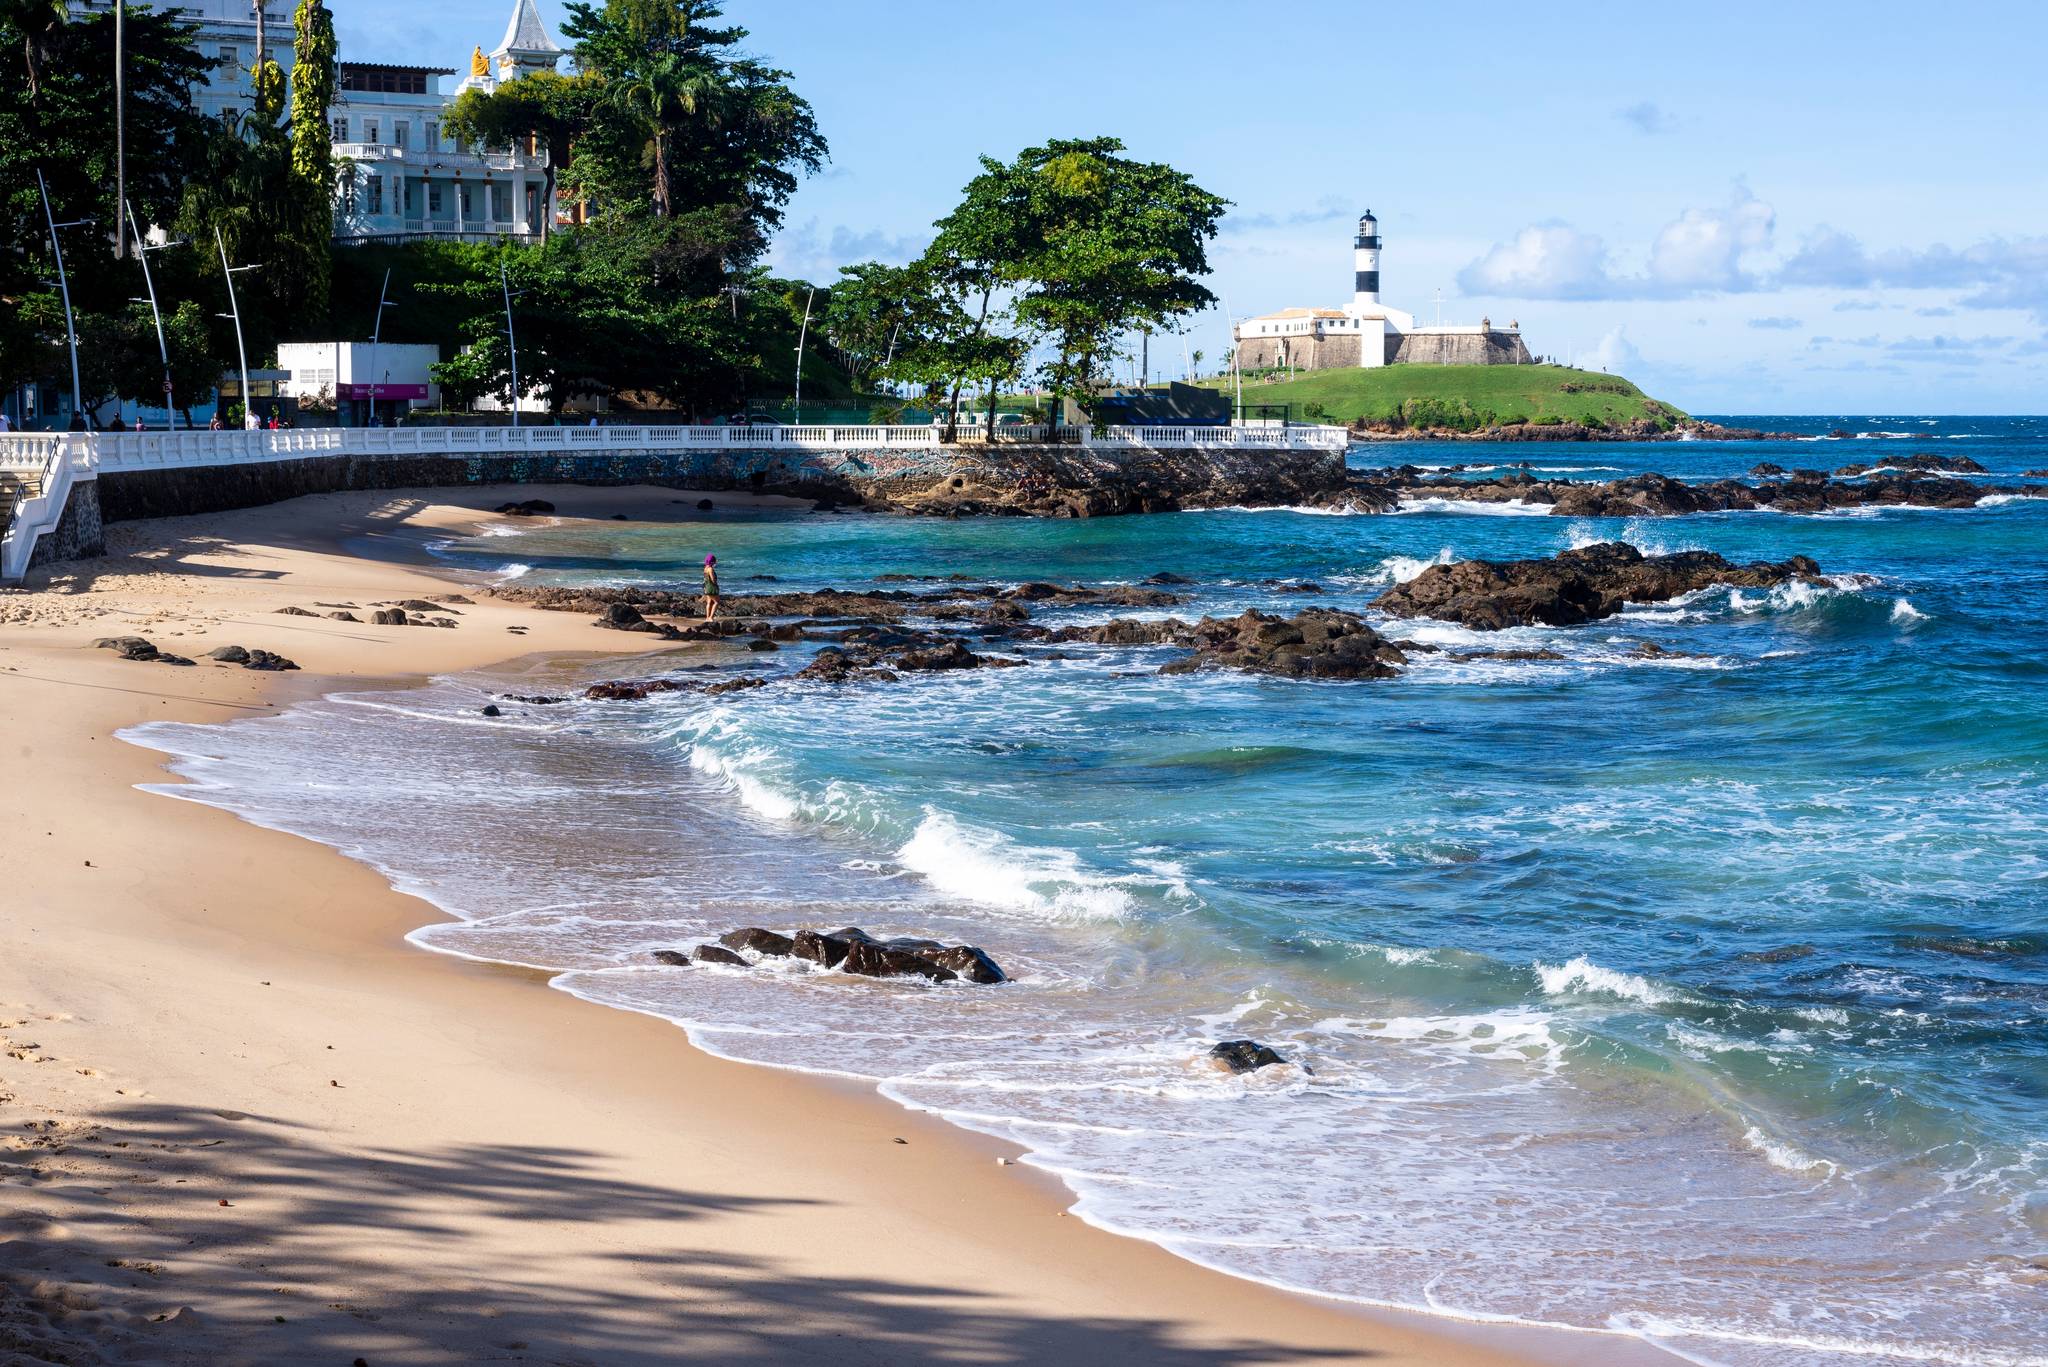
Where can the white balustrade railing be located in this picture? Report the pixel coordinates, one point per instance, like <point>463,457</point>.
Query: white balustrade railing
<point>117,451</point>
<point>51,462</point>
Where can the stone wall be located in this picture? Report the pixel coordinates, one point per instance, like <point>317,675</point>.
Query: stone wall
<point>1460,348</point>
<point>1340,352</point>
<point>80,533</point>
<point>1069,480</point>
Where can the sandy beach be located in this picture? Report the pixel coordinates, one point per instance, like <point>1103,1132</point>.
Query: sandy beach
<point>247,1123</point>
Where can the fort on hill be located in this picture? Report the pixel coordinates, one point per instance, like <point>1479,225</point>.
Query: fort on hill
<point>1367,333</point>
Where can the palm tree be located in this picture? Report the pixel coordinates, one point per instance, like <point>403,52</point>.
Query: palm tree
<point>35,21</point>
<point>670,85</point>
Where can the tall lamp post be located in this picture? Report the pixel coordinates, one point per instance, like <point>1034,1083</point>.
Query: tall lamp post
<point>801,335</point>
<point>377,340</point>
<point>142,251</point>
<point>120,117</point>
<point>64,285</point>
<point>1236,373</point>
<point>511,342</point>
<point>235,312</point>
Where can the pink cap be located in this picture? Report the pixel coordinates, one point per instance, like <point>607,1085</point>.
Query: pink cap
<point>711,560</point>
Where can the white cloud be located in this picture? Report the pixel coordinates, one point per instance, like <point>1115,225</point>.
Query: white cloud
<point>1546,261</point>
<point>1647,118</point>
<point>1777,323</point>
<point>1616,353</point>
<point>1700,252</point>
<point>1703,249</point>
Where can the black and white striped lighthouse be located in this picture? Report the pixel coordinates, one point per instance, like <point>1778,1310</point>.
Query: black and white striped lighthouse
<point>1366,262</point>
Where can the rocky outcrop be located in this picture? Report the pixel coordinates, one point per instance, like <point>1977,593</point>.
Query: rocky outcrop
<point>138,648</point>
<point>1921,482</point>
<point>1921,463</point>
<point>532,507</point>
<point>1243,1056</point>
<point>853,950</point>
<point>250,659</point>
<point>1574,586</point>
<point>1317,643</point>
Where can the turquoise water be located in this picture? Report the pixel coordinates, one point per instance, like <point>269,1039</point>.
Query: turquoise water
<point>1701,996</point>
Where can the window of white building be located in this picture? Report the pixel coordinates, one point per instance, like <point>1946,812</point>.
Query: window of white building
<point>501,201</point>
<point>230,56</point>
<point>433,136</point>
<point>370,131</point>
<point>341,128</point>
<point>401,133</point>
<point>433,200</point>
<point>376,197</point>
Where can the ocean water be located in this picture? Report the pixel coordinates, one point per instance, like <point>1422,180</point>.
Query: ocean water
<point>1701,997</point>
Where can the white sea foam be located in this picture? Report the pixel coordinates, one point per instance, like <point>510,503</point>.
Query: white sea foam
<point>1783,1155</point>
<point>1399,569</point>
<point>987,867</point>
<point>1904,613</point>
<point>1474,507</point>
<point>2001,500</point>
<point>1580,975</point>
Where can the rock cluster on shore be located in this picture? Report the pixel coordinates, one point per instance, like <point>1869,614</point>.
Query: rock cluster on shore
<point>849,950</point>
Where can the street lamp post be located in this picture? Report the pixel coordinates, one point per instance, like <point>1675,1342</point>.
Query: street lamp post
<point>1236,372</point>
<point>64,285</point>
<point>235,312</point>
<point>120,117</point>
<point>511,342</point>
<point>142,251</point>
<point>377,339</point>
<point>801,335</point>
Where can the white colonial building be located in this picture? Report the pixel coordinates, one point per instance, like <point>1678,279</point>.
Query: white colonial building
<point>229,34</point>
<point>1366,332</point>
<point>403,177</point>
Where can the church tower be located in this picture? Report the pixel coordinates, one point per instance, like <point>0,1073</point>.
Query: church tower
<point>1365,261</point>
<point>526,47</point>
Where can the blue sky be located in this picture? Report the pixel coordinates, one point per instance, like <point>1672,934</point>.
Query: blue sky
<point>1763,208</point>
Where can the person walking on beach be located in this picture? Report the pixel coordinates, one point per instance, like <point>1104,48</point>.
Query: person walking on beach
<point>710,589</point>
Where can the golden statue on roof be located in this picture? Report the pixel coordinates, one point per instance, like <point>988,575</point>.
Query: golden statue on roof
<point>477,65</point>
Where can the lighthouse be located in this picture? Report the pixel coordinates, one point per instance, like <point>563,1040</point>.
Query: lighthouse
<point>1365,262</point>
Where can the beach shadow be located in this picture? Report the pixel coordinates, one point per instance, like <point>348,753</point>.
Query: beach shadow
<point>423,1250</point>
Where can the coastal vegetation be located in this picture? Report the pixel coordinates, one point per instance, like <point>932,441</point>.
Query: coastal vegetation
<point>1463,398</point>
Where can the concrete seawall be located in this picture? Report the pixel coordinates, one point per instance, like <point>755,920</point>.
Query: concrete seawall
<point>1055,481</point>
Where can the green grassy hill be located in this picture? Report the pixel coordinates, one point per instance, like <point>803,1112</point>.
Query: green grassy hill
<point>1465,397</point>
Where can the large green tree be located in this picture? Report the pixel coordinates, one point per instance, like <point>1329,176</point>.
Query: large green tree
<point>688,120</point>
<point>551,108</point>
<point>1092,245</point>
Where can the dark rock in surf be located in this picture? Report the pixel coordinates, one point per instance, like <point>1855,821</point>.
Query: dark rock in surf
<point>719,954</point>
<point>532,507</point>
<point>969,962</point>
<point>1242,1056</point>
<point>491,710</point>
<point>1573,587</point>
<point>826,951</point>
<point>674,958</point>
<point>870,960</point>
<point>759,940</point>
<point>705,505</point>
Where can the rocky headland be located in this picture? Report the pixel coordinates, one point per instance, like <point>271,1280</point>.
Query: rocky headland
<point>1921,481</point>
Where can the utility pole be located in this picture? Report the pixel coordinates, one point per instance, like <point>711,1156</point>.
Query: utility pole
<point>377,339</point>
<point>1236,372</point>
<point>257,5</point>
<point>505,284</point>
<point>235,312</point>
<point>142,250</point>
<point>801,335</point>
<point>64,285</point>
<point>1145,364</point>
<point>121,122</point>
